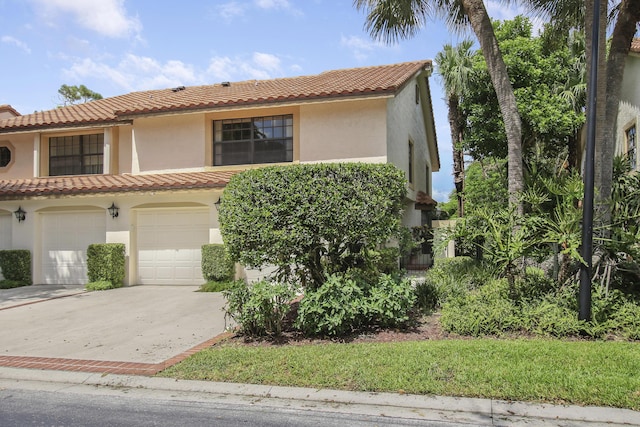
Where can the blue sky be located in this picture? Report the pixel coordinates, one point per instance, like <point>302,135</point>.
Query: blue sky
<point>120,46</point>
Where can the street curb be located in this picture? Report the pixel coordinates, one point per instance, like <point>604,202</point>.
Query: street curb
<point>470,410</point>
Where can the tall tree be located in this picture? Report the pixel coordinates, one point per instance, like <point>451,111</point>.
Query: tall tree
<point>454,64</point>
<point>71,95</point>
<point>394,19</point>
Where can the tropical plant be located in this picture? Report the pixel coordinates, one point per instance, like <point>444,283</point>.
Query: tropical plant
<point>394,19</point>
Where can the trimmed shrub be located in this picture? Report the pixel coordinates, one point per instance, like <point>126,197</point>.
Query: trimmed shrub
<point>311,220</point>
<point>217,265</point>
<point>259,308</point>
<point>390,301</point>
<point>16,266</point>
<point>106,262</point>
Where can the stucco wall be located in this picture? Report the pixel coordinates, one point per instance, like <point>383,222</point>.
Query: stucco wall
<point>169,142</point>
<point>21,165</point>
<point>354,130</point>
<point>630,87</point>
<point>405,122</point>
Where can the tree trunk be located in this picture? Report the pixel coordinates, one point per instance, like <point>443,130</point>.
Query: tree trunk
<point>623,32</point>
<point>483,29</point>
<point>455,124</point>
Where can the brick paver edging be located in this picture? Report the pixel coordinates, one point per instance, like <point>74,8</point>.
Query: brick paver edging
<point>101,366</point>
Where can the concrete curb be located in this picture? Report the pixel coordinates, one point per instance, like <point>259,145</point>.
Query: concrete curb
<point>434,408</point>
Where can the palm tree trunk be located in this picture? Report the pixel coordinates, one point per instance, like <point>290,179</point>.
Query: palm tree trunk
<point>455,124</point>
<point>623,32</point>
<point>481,24</point>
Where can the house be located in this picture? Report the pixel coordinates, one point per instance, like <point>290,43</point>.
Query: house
<point>629,109</point>
<point>146,168</point>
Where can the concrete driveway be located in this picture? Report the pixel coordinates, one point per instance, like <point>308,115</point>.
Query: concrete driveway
<point>139,324</point>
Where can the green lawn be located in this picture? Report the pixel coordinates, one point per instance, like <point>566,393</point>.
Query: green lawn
<point>573,372</point>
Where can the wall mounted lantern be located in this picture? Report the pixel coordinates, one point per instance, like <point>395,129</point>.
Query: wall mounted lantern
<point>217,204</point>
<point>113,210</point>
<point>20,214</point>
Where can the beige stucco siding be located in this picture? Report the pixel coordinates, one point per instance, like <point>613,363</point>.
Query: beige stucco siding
<point>22,156</point>
<point>166,143</point>
<point>630,87</point>
<point>406,123</point>
<point>353,130</point>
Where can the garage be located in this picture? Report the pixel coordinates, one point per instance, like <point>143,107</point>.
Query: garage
<point>65,238</point>
<point>169,243</point>
<point>5,231</point>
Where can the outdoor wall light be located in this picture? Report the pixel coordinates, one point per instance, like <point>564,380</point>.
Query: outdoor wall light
<point>217,204</point>
<point>20,214</point>
<point>113,210</point>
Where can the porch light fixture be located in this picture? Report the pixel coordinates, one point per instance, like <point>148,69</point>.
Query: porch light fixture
<point>113,210</point>
<point>217,203</point>
<point>20,214</point>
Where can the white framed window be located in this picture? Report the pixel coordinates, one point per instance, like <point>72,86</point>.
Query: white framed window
<point>631,140</point>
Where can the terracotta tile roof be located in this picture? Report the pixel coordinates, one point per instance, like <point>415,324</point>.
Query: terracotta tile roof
<point>384,79</point>
<point>424,201</point>
<point>6,108</point>
<point>635,45</point>
<point>95,184</point>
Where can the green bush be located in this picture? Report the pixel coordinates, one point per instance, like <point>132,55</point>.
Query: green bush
<point>9,284</point>
<point>336,308</point>
<point>106,262</point>
<point>390,302</point>
<point>217,265</point>
<point>311,220</point>
<point>217,286</point>
<point>455,277</point>
<point>487,310</point>
<point>259,308</point>
<point>426,296</point>
<point>100,285</point>
<point>16,266</point>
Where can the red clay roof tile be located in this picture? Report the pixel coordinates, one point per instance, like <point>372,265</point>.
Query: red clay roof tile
<point>384,79</point>
<point>635,45</point>
<point>93,184</point>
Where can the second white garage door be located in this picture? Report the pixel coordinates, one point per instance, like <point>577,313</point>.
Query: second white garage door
<point>170,244</point>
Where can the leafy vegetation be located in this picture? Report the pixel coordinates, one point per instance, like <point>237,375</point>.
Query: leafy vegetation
<point>311,221</point>
<point>16,267</point>
<point>217,265</point>
<point>217,286</point>
<point>106,263</point>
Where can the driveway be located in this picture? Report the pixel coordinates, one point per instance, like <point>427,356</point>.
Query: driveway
<point>138,324</point>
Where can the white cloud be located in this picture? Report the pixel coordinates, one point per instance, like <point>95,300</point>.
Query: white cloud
<point>14,41</point>
<point>278,5</point>
<point>106,17</point>
<point>137,73</point>
<point>260,66</point>
<point>440,195</point>
<point>504,11</point>
<point>360,47</point>
<point>230,10</point>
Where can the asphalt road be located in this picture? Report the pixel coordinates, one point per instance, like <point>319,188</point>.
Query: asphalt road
<point>20,408</point>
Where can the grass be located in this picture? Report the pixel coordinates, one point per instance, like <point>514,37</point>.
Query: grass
<point>216,286</point>
<point>601,373</point>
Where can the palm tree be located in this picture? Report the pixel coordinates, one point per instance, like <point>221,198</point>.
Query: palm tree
<point>395,19</point>
<point>454,65</point>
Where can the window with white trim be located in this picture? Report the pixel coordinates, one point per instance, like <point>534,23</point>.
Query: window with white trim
<point>5,156</point>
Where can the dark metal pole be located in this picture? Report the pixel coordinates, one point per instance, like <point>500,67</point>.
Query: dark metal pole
<point>587,205</point>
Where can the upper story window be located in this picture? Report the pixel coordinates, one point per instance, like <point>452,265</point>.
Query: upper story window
<point>253,140</point>
<point>632,144</point>
<point>5,157</point>
<point>76,154</point>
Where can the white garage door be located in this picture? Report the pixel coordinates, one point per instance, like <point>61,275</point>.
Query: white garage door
<point>65,238</point>
<point>5,231</point>
<point>5,234</point>
<point>170,244</point>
